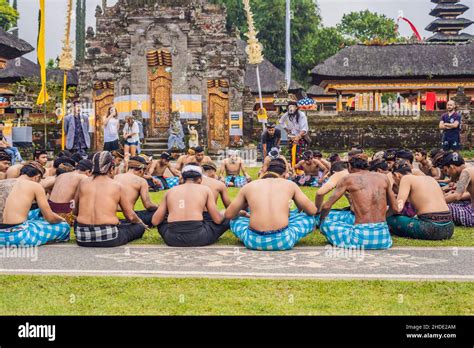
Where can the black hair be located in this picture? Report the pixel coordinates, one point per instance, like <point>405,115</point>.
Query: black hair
<point>451,158</point>
<point>357,146</point>
<point>277,166</point>
<point>139,159</point>
<point>435,152</point>
<point>2,123</point>
<point>334,158</point>
<point>77,157</point>
<point>199,149</point>
<point>422,151</point>
<point>307,154</point>
<point>402,167</point>
<point>30,171</point>
<point>38,153</point>
<point>358,163</point>
<point>84,165</point>
<point>338,166</point>
<point>355,152</point>
<point>165,156</point>
<point>379,163</point>
<point>65,153</point>
<point>69,168</point>
<point>317,154</point>
<point>405,155</point>
<point>191,175</point>
<point>58,161</point>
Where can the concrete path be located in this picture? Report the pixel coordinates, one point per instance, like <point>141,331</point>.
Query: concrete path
<point>454,264</point>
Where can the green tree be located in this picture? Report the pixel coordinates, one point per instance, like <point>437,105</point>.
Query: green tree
<point>269,18</point>
<point>8,15</point>
<point>365,26</point>
<point>80,30</point>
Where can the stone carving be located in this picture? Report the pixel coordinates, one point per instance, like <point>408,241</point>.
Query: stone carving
<point>193,137</point>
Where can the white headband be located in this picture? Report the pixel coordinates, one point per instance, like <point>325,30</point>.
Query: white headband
<point>188,168</point>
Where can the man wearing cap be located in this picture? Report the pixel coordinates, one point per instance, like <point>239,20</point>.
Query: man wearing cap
<point>230,171</point>
<point>135,186</point>
<point>95,206</point>
<point>158,168</point>
<point>450,124</point>
<point>180,217</point>
<point>271,225</point>
<point>433,219</point>
<point>61,199</point>
<point>365,226</point>
<point>314,170</point>
<point>271,138</point>
<point>295,124</point>
<point>273,154</point>
<point>210,179</point>
<point>5,162</point>
<point>460,202</point>
<point>18,225</point>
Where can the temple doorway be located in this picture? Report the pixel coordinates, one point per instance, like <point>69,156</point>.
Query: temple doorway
<point>218,114</point>
<point>103,99</point>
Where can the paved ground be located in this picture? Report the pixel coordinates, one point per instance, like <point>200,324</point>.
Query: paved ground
<point>456,264</point>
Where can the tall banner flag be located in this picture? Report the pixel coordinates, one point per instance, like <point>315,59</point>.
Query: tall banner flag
<point>43,97</point>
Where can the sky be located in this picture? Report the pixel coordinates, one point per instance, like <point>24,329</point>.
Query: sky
<point>332,11</point>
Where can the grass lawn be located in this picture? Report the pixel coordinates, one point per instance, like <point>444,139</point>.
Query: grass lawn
<point>56,295</point>
<point>462,236</point>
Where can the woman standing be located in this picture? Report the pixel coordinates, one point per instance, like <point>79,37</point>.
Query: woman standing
<point>295,124</point>
<point>111,130</point>
<point>131,134</point>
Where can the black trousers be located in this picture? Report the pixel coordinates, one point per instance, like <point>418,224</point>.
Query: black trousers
<point>192,233</point>
<point>127,232</point>
<point>146,216</point>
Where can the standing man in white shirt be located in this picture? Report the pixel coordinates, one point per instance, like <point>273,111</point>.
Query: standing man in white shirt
<point>131,134</point>
<point>111,130</point>
<point>295,124</point>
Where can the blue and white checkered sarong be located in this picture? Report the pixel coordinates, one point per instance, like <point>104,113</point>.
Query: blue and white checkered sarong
<point>299,226</point>
<point>340,230</point>
<point>34,232</point>
<point>239,181</point>
<point>172,182</point>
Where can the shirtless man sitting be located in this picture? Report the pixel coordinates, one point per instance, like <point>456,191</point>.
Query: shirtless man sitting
<point>314,170</point>
<point>230,171</point>
<point>135,186</point>
<point>18,225</point>
<point>461,201</point>
<point>381,166</point>
<point>158,169</point>
<point>433,220</point>
<point>5,162</point>
<point>95,206</point>
<point>409,158</point>
<point>425,164</point>
<point>183,159</point>
<point>61,199</point>
<point>271,225</point>
<point>180,218</point>
<point>338,171</point>
<point>273,154</point>
<point>365,226</point>
<point>218,188</point>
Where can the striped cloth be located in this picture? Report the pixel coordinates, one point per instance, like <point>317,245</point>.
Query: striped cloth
<point>299,226</point>
<point>340,230</point>
<point>34,232</point>
<point>239,181</point>
<point>462,212</point>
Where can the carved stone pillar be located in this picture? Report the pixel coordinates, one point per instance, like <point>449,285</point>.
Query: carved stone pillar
<point>463,106</point>
<point>248,104</point>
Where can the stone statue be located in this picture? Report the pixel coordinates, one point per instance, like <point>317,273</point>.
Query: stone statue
<point>176,137</point>
<point>193,137</point>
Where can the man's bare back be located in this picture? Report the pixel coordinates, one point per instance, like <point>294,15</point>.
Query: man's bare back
<point>187,202</point>
<point>65,187</point>
<point>424,193</point>
<point>218,188</point>
<point>270,201</point>
<point>131,186</point>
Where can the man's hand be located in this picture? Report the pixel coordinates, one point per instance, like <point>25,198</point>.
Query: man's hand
<point>244,213</point>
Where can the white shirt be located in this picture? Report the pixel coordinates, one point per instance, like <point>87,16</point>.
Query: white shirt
<point>295,128</point>
<point>111,130</point>
<point>134,130</point>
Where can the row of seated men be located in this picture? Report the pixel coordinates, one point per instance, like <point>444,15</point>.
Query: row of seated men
<point>387,195</point>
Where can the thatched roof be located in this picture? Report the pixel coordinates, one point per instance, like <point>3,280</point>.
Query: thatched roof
<point>12,47</point>
<point>20,68</point>
<point>397,61</point>
<point>270,76</point>
<point>317,90</point>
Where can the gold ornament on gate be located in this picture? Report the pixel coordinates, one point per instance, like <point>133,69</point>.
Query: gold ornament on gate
<point>66,61</point>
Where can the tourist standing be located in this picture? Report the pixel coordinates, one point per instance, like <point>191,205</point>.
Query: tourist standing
<point>271,138</point>
<point>76,128</point>
<point>6,147</point>
<point>295,124</point>
<point>111,130</point>
<point>450,123</point>
<point>131,134</point>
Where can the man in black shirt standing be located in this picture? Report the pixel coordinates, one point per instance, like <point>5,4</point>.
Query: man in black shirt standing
<point>271,137</point>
